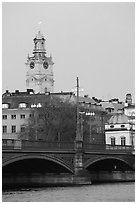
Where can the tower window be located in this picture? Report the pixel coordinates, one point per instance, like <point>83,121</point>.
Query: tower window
<point>4,128</point>
<point>13,128</point>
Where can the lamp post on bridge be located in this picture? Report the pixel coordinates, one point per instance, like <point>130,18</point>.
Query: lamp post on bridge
<point>78,137</point>
<point>81,124</point>
<point>81,174</point>
<point>78,160</point>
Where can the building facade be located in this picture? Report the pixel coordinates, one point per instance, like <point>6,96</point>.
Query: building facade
<point>120,131</point>
<point>17,108</point>
<point>13,122</point>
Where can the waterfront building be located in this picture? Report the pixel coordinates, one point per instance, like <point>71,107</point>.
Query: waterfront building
<point>119,130</point>
<point>17,107</point>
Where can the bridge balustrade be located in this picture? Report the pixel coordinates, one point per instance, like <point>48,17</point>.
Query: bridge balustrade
<point>40,145</point>
<point>106,148</point>
<point>36,145</point>
<point>27,145</point>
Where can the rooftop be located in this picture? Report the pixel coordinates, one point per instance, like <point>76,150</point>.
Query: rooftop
<point>118,118</point>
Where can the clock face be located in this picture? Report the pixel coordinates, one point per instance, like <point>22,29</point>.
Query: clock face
<point>32,65</point>
<point>45,64</point>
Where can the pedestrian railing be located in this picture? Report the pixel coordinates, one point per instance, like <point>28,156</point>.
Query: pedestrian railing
<point>36,145</point>
<point>88,147</point>
<point>27,145</point>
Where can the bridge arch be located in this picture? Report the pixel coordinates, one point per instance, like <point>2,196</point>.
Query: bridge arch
<point>90,162</point>
<point>42,157</point>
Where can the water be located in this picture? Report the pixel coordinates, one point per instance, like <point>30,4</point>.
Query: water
<point>112,192</point>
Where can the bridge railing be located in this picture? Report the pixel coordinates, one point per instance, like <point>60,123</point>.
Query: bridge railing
<point>106,148</point>
<point>27,145</point>
<point>40,145</point>
<point>36,145</point>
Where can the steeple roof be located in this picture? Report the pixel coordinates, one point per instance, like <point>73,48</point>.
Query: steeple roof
<point>39,35</point>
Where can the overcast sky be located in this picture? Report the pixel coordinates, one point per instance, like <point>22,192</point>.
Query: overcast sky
<point>92,41</point>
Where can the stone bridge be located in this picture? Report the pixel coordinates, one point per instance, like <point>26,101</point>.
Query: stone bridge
<point>63,154</point>
<point>47,163</point>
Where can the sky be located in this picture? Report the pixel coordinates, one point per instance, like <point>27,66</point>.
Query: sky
<point>92,41</point>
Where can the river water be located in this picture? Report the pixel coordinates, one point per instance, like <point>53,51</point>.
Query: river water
<point>110,192</point>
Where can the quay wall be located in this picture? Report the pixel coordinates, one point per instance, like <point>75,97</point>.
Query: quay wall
<point>36,179</point>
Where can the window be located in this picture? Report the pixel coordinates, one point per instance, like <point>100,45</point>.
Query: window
<point>30,115</point>
<point>36,105</point>
<point>5,105</point>
<point>122,126</point>
<point>33,105</point>
<point>13,116</point>
<point>4,117</point>
<point>22,116</point>
<point>22,129</point>
<point>109,110</point>
<point>111,126</point>
<point>4,128</point>
<point>22,105</point>
<point>123,141</point>
<point>113,141</point>
<point>13,128</point>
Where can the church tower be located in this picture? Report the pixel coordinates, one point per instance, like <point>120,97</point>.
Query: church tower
<point>39,76</point>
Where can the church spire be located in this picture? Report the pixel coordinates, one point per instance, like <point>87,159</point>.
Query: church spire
<point>39,76</point>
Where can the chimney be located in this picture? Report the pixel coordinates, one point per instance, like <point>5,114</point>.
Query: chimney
<point>128,99</point>
<point>17,91</point>
<point>29,91</point>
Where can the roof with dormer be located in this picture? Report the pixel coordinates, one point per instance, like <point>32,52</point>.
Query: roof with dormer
<point>86,100</point>
<point>29,97</point>
<point>113,105</point>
